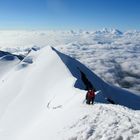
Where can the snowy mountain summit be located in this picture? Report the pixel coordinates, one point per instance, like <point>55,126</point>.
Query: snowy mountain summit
<point>111,31</point>
<point>42,97</point>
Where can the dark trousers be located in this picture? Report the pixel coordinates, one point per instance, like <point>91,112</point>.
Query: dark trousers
<point>90,101</point>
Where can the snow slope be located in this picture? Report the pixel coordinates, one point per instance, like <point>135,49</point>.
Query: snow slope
<point>43,98</point>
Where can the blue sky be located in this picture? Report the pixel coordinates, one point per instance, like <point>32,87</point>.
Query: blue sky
<point>69,14</point>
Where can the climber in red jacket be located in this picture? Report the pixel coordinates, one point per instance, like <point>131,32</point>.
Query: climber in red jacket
<point>90,96</point>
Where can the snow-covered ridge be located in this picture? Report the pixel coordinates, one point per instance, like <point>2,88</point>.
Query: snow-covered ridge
<point>107,91</point>
<point>78,70</point>
<point>44,100</point>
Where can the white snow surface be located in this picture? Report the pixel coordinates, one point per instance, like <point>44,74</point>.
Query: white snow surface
<point>40,96</point>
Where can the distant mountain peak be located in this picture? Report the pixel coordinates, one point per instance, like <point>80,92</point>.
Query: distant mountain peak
<point>116,32</point>
<point>109,31</point>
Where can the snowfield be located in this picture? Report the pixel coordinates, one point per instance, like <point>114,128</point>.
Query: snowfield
<point>42,92</point>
